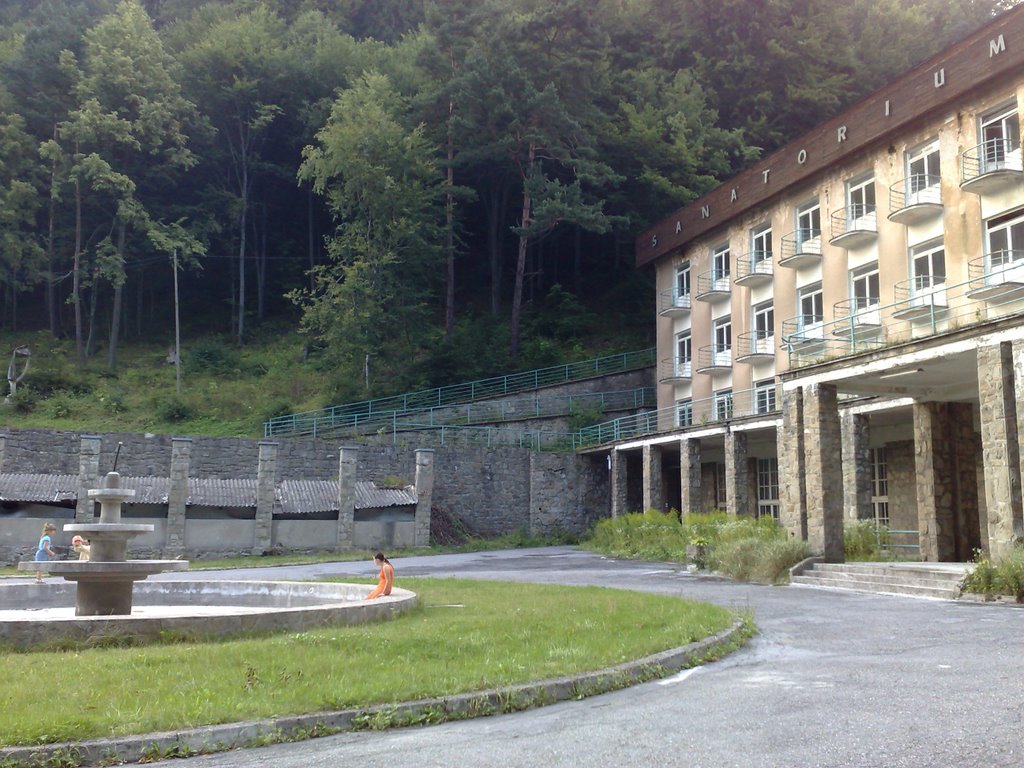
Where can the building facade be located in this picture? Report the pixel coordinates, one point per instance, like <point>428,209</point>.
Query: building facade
<point>840,328</point>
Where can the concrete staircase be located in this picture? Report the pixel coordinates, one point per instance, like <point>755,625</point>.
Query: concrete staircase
<point>935,580</point>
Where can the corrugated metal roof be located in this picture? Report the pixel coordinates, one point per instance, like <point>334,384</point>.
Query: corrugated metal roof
<point>294,497</point>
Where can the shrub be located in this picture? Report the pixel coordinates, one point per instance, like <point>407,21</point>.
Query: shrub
<point>173,410</point>
<point>24,400</point>
<point>1000,577</point>
<point>212,356</point>
<point>866,541</point>
<point>765,560</point>
<point>583,415</point>
<point>61,407</point>
<point>46,383</point>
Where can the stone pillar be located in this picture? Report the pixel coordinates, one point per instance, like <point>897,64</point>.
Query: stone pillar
<point>3,449</point>
<point>689,475</point>
<point>964,443</point>
<point>856,467</point>
<point>266,475</point>
<point>347,456</point>
<point>177,496</point>
<point>790,450</point>
<point>424,495</point>
<point>654,494</point>
<point>824,472</point>
<point>934,467</point>
<point>1000,448</point>
<point>88,477</point>
<point>619,483</point>
<point>737,479</point>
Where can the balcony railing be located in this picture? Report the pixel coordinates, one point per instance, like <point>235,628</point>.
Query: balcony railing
<point>915,199</point>
<point>754,268</point>
<point>714,358</point>
<point>803,329</point>
<point>854,225</point>
<point>713,285</point>
<point>801,248</point>
<point>991,166</point>
<point>997,275</point>
<point>859,317</point>
<point>755,346</point>
<point>920,298</point>
<point>674,370</point>
<point>672,303</point>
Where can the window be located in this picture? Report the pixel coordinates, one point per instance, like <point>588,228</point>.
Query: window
<point>864,286</point>
<point>761,244</point>
<point>879,487</point>
<point>812,309</point>
<point>722,346</point>
<point>860,203</point>
<point>1000,137</point>
<point>723,405</point>
<point>682,290</point>
<point>927,266</point>
<point>764,396</point>
<point>768,488</point>
<point>720,267</point>
<point>764,325</point>
<point>1005,242</point>
<point>684,413</point>
<point>922,170</point>
<point>808,228</point>
<point>684,355</point>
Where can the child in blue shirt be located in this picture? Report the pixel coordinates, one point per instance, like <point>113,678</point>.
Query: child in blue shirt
<point>45,551</point>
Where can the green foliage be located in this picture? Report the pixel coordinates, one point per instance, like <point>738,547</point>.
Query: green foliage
<point>997,577</point>
<point>583,415</point>
<point>865,541</point>
<point>211,356</point>
<point>173,410</point>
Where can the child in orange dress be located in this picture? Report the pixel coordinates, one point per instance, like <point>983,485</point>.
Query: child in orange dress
<point>385,579</point>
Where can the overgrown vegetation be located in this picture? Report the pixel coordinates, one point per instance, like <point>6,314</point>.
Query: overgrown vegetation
<point>1004,576</point>
<point>467,636</point>
<point>743,548</point>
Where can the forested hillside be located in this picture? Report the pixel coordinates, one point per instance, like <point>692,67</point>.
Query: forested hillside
<point>430,190</point>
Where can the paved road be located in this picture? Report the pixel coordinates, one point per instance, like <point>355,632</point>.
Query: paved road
<point>834,679</point>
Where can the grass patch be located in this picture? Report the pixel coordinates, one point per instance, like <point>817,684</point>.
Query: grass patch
<point>743,548</point>
<point>467,636</point>
<point>996,578</point>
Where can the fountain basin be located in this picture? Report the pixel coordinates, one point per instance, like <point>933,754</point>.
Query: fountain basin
<point>33,615</point>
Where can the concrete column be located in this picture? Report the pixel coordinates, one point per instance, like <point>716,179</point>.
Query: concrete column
<point>1017,356</point>
<point>88,477</point>
<point>347,457</point>
<point>619,484</point>
<point>177,496</point>
<point>266,476</point>
<point>824,472</point>
<point>654,494</point>
<point>737,479</point>
<point>3,449</point>
<point>1000,449</point>
<point>936,477</point>
<point>424,495</point>
<point>689,475</point>
<point>856,467</point>
<point>790,450</point>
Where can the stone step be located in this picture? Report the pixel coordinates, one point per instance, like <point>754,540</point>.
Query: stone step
<point>933,570</point>
<point>918,578</point>
<point>877,587</point>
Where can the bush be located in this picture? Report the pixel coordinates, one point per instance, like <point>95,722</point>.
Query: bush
<point>1001,577</point>
<point>758,559</point>
<point>173,410</point>
<point>62,407</point>
<point>24,400</point>
<point>211,356</point>
<point>46,383</point>
<point>866,541</point>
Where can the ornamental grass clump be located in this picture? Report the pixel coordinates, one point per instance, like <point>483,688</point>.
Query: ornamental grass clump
<point>994,578</point>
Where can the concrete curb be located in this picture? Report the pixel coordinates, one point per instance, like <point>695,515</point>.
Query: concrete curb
<point>220,738</point>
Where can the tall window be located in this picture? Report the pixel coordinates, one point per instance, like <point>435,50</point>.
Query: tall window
<point>922,170</point>
<point>761,244</point>
<point>720,266</point>
<point>1000,136</point>
<point>684,413</point>
<point>723,405</point>
<point>764,396</point>
<point>768,488</point>
<point>860,202</point>
<point>764,325</point>
<point>864,289</point>
<point>879,487</point>
<point>682,282</point>
<point>722,346</point>
<point>1005,241</point>
<point>684,354</point>
<point>812,309</point>
<point>808,228</point>
<point>927,266</point>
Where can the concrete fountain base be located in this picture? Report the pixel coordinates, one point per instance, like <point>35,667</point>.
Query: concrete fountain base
<point>32,614</point>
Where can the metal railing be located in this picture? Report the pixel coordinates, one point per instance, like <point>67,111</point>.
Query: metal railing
<point>755,344</point>
<point>313,423</point>
<point>800,243</point>
<point>988,157</point>
<point>713,283</point>
<point>675,369</point>
<point>855,219</point>
<point>753,267</point>
<point>917,189</point>
<point>672,302</point>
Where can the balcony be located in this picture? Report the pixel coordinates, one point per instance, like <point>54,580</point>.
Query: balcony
<point>673,303</point>
<point>854,226</point>
<point>857,318</point>
<point>714,359</point>
<point>675,370</point>
<point>804,331</point>
<point>754,268</point>
<point>921,298</point>
<point>713,285</point>
<point>801,248</point>
<point>755,347</point>
<point>990,167</point>
<point>915,200</point>
<point>996,276</point>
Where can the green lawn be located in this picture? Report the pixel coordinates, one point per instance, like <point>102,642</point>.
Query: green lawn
<point>467,636</point>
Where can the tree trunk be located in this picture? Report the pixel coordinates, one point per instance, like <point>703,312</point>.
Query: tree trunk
<point>51,283</point>
<point>517,295</point>
<point>449,222</point>
<point>260,237</point>
<point>311,236</point>
<point>93,301</point>
<point>243,217</point>
<point>577,260</point>
<point>76,285</point>
<point>115,316</point>
<point>496,202</point>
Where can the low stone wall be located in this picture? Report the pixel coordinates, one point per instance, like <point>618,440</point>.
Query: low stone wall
<point>493,490</point>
